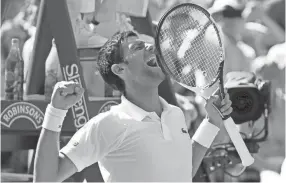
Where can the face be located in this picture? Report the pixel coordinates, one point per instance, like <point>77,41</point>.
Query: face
<point>140,64</point>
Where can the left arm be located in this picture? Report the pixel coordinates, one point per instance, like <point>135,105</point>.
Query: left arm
<point>209,128</point>
<point>199,152</point>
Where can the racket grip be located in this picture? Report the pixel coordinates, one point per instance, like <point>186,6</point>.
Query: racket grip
<point>238,142</point>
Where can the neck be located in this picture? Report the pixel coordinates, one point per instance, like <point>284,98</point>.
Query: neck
<point>146,99</point>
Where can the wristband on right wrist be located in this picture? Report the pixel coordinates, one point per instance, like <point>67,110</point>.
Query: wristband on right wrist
<point>206,133</point>
<point>54,118</point>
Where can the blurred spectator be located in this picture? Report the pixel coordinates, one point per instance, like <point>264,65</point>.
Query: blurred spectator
<point>254,35</point>
<point>10,8</point>
<point>276,11</point>
<point>272,67</point>
<point>159,7</point>
<point>20,25</point>
<point>228,14</point>
<point>261,31</point>
<point>238,55</point>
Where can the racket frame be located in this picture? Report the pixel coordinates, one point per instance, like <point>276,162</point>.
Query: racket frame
<point>160,58</point>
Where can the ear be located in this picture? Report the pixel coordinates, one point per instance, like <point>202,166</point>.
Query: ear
<point>117,69</point>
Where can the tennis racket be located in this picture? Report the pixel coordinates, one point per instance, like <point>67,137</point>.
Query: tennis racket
<point>191,52</point>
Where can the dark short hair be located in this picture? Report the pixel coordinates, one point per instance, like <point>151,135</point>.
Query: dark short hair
<point>111,53</point>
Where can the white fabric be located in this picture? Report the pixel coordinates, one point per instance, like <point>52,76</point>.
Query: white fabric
<point>54,118</point>
<point>129,145</point>
<point>206,133</point>
<point>267,176</point>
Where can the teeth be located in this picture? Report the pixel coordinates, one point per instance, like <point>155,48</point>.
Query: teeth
<point>152,61</point>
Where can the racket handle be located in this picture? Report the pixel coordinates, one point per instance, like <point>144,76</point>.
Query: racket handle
<point>238,142</point>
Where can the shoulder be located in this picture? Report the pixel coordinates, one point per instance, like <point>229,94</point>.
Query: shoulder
<point>176,111</point>
<point>107,121</point>
<point>175,108</point>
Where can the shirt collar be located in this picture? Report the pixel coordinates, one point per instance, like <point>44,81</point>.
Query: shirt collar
<point>136,112</point>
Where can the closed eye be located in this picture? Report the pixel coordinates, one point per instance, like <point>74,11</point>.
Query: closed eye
<point>139,45</point>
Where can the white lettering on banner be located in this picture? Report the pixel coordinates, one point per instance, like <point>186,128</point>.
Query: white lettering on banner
<point>20,110</point>
<point>79,110</point>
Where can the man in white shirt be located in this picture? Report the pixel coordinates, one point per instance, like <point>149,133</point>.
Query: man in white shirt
<point>143,139</point>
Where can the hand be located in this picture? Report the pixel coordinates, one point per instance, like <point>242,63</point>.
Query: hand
<point>224,106</point>
<point>66,94</point>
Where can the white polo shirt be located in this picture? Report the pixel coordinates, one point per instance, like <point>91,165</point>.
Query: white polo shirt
<point>131,144</point>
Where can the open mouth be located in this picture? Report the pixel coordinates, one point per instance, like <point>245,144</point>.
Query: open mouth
<point>152,61</point>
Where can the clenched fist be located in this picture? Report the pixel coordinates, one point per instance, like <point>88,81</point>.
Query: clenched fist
<point>66,94</point>
<point>213,104</point>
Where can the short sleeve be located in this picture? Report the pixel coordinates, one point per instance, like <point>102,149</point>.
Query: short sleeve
<point>93,141</point>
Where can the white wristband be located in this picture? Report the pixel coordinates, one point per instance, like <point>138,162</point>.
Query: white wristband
<point>54,118</point>
<point>206,133</point>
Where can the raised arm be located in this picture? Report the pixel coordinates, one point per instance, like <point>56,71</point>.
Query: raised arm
<point>209,128</point>
<point>99,136</point>
<point>50,165</point>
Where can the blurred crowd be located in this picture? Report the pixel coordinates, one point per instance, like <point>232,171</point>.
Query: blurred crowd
<point>254,40</point>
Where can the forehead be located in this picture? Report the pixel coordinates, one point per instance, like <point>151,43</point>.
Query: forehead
<point>129,40</point>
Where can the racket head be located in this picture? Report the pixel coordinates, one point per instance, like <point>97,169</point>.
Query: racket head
<point>191,25</point>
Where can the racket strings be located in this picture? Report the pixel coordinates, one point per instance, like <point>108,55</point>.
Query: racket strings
<point>189,46</point>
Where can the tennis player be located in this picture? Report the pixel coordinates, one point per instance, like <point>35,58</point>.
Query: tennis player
<point>143,139</point>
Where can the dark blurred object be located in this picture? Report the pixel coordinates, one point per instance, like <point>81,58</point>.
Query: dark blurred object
<point>276,10</point>
<point>230,12</point>
<point>42,47</point>
<point>227,8</point>
<point>249,175</point>
<point>10,8</point>
<point>249,96</point>
<point>14,72</point>
<point>222,156</point>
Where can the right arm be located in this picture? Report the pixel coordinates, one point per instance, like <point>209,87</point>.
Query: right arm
<point>93,141</point>
<point>50,165</point>
<point>88,145</point>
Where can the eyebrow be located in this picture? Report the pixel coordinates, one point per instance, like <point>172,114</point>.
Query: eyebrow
<point>135,43</point>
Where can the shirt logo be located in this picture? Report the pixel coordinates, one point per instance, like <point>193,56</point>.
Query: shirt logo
<point>184,130</point>
<point>75,144</point>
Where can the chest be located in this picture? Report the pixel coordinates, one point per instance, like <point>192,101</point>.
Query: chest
<point>146,143</point>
